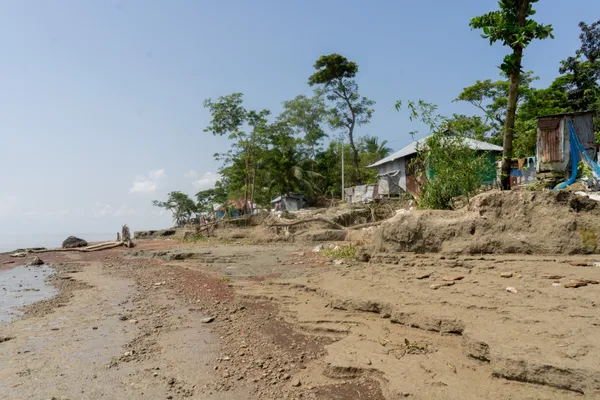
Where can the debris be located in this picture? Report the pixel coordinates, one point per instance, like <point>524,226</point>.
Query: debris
<point>436,286</point>
<point>506,275</point>
<point>123,317</point>
<point>453,278</point>
<point>590,281</point>
<point>208,320</point>
<point>21,254</point>
<point>580,263</point>
<point>511,289</point>
<point>338,262</point>
<point>556,284</point>
<point>575,284</point>
<point>133,321</point>
<point>36,261</point>
<point>318,249</point>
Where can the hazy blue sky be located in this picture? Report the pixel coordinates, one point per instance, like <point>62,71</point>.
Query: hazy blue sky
<point>101,101</point>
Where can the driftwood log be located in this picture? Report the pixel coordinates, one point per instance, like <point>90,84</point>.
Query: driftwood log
<point>96,247</point>
<point>305,221</point>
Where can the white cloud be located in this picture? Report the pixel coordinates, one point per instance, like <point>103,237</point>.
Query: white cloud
<point>148,184</point>
<point>157,174</point>
<point>206,181</point>
<point>191,174</point>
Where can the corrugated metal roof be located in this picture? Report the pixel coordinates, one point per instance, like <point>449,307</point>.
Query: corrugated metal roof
<point>412,149</point>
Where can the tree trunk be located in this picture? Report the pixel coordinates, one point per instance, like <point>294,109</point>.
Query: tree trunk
<point>511,108</point>
<point>246,184</point>
<point>355,160</point>
<point>253,188</point>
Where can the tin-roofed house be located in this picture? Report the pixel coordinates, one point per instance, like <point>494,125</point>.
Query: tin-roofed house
<point>395,174</point>
<point>554,145</point>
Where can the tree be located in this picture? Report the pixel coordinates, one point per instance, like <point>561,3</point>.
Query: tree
<point>335,78</point>
<point>206,199</point>
<point>512,26</point>
<point>445,166</point>
<point>180,204</point>
<point>229,117</point>
<point>581,73</point>
<point>473,127</point>
<point>288,167</point>
<point>491,97</point>
<point>305,116</point>
<point>373,150</point>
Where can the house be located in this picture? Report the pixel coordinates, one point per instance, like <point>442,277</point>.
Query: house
<point>233,208</point>
<point>394,172</point>
<point>289,202</point>
<point>554,144</point>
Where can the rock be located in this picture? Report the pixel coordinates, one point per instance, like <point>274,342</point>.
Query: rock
<point>506,275</point>
<point>590,281</point>
<point>424,276</point>
<point>36,261</point>
<point>208,320</point>
<point>436,286</point>
<point>338,262</point>
<point>123,317</point>
<point>318,249</point>
<point>133,321</point>
<point>553,277</point>
<point>575,284</point>
<point>453,278</point>
<point>296,383</point>
<point>72,242</point>
<point>511,289</point>
<point>556,284</point>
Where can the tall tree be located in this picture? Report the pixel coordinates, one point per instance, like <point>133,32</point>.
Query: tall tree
<point>306,115</point>
<point>335,77</point>
<point>512,26</point>
<point>180,204</point>
<point>246,128</point>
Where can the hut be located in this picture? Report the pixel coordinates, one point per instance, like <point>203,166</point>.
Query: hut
<point>554,146</point>
<point>289,202</point>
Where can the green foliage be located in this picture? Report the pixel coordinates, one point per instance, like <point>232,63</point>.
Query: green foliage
<point>445,166</point>
<point>512,26</point>
<point>347,109</point>
<point>207,198</point>
<point>340,252</point>
<point>180,204</point>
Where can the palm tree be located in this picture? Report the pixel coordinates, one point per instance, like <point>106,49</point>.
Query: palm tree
<point>290,170</point>
<point>375,150</point>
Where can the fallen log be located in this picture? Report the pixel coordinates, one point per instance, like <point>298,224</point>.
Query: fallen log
<point>96,247</point>
<point>304,221</point>
<point>376,223</point>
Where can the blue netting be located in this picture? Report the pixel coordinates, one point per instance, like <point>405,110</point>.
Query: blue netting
<point>578,153</point>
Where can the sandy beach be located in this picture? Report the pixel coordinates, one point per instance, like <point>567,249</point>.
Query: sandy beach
<point>214,320</point>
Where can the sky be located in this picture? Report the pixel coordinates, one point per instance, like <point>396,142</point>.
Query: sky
<point>101,101</point>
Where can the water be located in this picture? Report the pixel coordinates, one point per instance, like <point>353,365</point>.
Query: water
<point>21,286</point>
<point>10,242</point>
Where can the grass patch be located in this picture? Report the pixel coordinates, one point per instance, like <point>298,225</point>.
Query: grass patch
<point>589,239</point>
<point>196,239</point>
<point>341,252</point>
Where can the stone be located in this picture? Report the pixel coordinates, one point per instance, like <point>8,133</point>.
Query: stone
<point>338,262</point>
<point>73,242</point>
<point>453,278</point>
<point>424,276</point>
<point>36,261</point>
<point>318,249</point>
<point>296,383</point>
<point>436,286</point>
<point>511,289</point>
<point>506,275</point>
<point>133,321</point>
<point>575,284</point>
<point>208,320</point>
<point>553,277</point>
